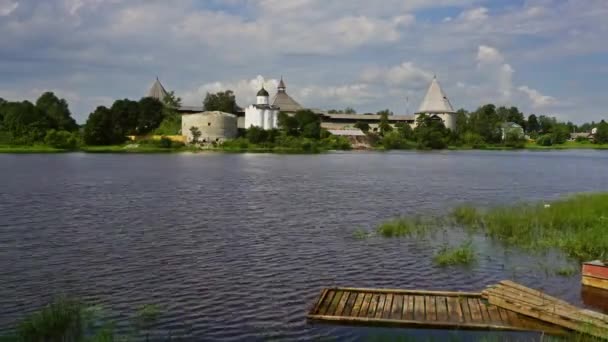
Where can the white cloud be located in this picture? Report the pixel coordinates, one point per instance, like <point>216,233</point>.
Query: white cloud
<point>404,74</point>
<point>538,100</point>
<point>476,14</point>
<point>488,55</point>
<point>244,90</point>
<point>7,7</point>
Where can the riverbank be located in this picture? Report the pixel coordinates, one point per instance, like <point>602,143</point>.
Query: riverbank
<point>252,148</point>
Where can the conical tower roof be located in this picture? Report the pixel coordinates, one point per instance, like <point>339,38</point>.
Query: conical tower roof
<point>435,100</point>
<point>157,91</point>
<point>284,101</point>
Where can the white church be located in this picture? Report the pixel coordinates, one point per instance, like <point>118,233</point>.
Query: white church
<point>262,114</point>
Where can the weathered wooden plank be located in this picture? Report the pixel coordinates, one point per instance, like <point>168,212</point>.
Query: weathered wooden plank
<point>411,292</point>
<point>419,312</point>
<point>326,302</point>
<point>409,309</point>
<point>357,304</point>
<point>334,303</point>
<point>315,309</point>
<point>485,315</point>
<point>494,314</point>
<point>388,306</point>
<point>454,310</point>
<point>431,310</point>
<point>442,309</point>
<point>549,317</point>
<point>373,305</point>
<point>475,310</point>
<point>397,310</point>
<point>342,303</point>
<point>466,312</point>
<point>365,305</point>
<point>350,305</point>
<point>380,307</point>
<point>595,282</point>
<point>414,323</point>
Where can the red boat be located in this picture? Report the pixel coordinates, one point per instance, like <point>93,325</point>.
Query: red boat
<point>595,274</point>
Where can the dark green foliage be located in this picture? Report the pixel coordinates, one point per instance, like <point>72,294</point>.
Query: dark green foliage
<point>57,111</point>
<point>125,114</point>
<point>384,126</point>
<point>101,129</point>
<point>601,136</point>
<point>256,135</point>
<point>545,140</point>
<point>474,140</point>
<point>165,142</point>
<point>223,101</point>
<point>59,321</point>
<point>560,133</point>
<point>485,122</point>
<point>150,115</point>
<point>304,123</point>
<point>62,139</point>
<point>430,133</point>
<point>511,115</point>
<point>288,123</point>
<point>462,122</point>
<point>347,110</point>
<point>514,139</point>
<point>394,141</point>
<point>364,126</point>
<point>172,120</point>
<point>405,131</point>
<point>532,125</point>
<point>26,123</point>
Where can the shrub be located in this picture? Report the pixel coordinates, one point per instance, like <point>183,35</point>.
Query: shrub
<point>474,140</point>
<point>514,140</point>
<point>59,321</point>
<point>165,142</point>
<point>61,139</point>
<point>545,140</point>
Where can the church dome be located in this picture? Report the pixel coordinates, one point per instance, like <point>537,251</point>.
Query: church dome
<point>263,92</point>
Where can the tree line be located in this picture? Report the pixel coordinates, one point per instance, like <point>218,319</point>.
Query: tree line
<point>477,129</point>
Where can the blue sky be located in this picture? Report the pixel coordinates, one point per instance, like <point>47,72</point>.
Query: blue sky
<point>544,56</point>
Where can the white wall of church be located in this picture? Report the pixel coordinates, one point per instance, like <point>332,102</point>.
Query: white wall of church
<point>263,118</point>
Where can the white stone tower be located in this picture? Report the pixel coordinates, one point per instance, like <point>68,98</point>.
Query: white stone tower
<point>437,104</point>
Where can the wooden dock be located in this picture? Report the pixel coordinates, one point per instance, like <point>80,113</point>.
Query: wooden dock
<point>421,309</point>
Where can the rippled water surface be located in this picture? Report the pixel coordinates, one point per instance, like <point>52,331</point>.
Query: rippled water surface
<point>236,247</point>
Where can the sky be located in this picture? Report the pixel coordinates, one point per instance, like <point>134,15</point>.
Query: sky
<point>547,57</point>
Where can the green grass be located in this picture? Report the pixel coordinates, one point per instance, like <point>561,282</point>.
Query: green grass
<point>466,215</point>
<point>566,271</point>
<point>361,234</point>
<point>403,227</point>
<point>454,256</point>
<point>568,145</point>
<point>61,320</point>
<point>30,149</point>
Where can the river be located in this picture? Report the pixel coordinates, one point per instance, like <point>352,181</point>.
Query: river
<point>237,246</point>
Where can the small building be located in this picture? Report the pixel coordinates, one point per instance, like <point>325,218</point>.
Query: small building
<point>437,105</point>
<point>213,126</point>
<point>262,114</point>
<point>511,127</point>
<point>582,135</point>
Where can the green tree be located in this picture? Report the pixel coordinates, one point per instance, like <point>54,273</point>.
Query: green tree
<point>150,115</point>
<point>514,139</point>
<point>601,136</point>
<point>25,121</point>
<point>532,125</point>
<point>545,140</point>
<point>363,126</point>
<point>560,133</point>
<point>385,112</point>
<point>384,126</point>
<point>394,141</point>
<point>223,101</point>
<point>288,123</point>
<point>172,120</point>
<point>125,116</point>
<point>100,128</point>
<point>546,124</point>
<point>405,130</point>
<point>58,112</point>
<point>256,135</point>
<point>349,110</point>
<point>462,122</point>
<point>430,132</point>
<point>485,123</point>
<point>309,124</point>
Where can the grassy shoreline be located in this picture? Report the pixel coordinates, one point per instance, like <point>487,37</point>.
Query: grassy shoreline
<point>575,225</point>
<point>24,149</point>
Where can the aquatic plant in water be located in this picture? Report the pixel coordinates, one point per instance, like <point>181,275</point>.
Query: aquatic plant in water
<point>452,256</point>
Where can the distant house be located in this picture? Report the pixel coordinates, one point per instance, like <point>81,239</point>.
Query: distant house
<point>511,127</point>
<point>583,135</point>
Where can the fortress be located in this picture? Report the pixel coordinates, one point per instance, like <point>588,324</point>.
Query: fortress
<point>217,126</point>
